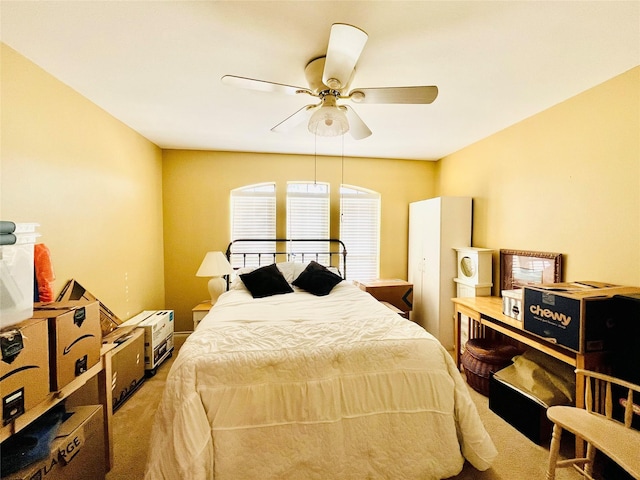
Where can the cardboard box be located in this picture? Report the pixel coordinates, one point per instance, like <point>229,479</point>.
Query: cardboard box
<point>158,336</point>
<point>127,373</point>
<point>398,293</point>
<point>127,365</point>
<point>74,291</point>
<point>24,368</point>
<point>75,338</point>
<point>578,315</point>
<point>512,303</point>
<point>77,452</point>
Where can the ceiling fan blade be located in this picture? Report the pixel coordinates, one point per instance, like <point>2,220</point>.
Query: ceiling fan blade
<point>263,85</point>
<point>296,119</point>
<point>415,95</point>
<point>357,128</point>
<point>345,46</point>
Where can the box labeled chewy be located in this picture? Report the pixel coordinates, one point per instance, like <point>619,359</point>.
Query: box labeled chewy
<point>577,315</point>
<point>158,336</point>
<point>75,338</point>
<point>24,367</point>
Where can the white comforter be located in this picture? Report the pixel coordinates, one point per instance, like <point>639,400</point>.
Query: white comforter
<point>301,387</point>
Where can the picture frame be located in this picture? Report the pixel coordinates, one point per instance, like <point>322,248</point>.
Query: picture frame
<point>522,267</point>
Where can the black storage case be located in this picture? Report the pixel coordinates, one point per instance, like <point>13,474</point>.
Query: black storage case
<point>625,359</point>
<point>524,412</point>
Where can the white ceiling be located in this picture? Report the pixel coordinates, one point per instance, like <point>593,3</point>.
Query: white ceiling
<point>156,65</point>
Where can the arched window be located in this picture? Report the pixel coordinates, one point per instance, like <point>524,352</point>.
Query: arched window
<point>253,215</point>
<point>360,231</point>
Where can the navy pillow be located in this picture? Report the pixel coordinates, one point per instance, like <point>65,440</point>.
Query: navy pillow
<point>317,279</point>
<point>266,281</point>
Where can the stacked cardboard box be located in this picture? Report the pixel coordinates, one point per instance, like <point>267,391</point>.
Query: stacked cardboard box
<point>76,453</point>
<point>158,336</point>
<point>75,339</point>
<point>72,290</point>
<point>24,367</point>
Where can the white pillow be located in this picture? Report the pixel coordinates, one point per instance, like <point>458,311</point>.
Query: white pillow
<point>288,270</point>
<point>298,268</point>
<point>236,282</point>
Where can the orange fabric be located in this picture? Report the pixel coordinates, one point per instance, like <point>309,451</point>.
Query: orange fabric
<point>44,272</point>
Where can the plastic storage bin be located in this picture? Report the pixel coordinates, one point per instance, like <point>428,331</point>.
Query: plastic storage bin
<point>16,279</point>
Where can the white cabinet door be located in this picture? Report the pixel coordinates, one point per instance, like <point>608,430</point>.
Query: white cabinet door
<point>436,226</point>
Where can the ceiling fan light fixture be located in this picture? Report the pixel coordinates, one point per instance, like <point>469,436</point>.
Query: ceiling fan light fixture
<point>329,120</point>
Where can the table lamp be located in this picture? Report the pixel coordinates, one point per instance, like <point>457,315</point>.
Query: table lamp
<point>215,265</point>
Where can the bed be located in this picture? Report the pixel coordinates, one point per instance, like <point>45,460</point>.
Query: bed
<point>312,385</point>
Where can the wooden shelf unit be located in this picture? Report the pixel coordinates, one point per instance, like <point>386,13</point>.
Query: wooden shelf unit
<point>486,313</point>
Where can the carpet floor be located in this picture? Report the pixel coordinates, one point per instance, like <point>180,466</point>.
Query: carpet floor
<point>518,458</point>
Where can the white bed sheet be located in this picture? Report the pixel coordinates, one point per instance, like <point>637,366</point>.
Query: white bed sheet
<point>337,387</point>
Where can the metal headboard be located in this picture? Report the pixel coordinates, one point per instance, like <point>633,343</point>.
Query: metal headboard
<point>247,252</point>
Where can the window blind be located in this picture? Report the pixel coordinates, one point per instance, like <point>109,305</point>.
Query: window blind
<point>360,231</point>
<point>308,216</point>
<point>253,215</point>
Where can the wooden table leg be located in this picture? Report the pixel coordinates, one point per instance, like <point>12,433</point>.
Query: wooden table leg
<point>456,335</point>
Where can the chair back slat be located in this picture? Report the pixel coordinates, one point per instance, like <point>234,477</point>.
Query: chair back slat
<point>628,409</point>
<point>599,397</point>
<point>608,408</point>
<point>588,396</point>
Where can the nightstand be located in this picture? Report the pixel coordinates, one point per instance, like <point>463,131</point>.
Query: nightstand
<point>199,311</point>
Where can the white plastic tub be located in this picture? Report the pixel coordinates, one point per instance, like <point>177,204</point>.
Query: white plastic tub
<point>16,280</point>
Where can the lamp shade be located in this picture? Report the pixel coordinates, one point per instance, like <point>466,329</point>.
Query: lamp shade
<point>329,120</point>
<point>215,264</point>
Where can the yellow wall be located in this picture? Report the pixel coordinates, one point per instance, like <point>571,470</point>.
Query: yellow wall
<point>566,180</point>
<point>196,207</point>
<point>93,184</point>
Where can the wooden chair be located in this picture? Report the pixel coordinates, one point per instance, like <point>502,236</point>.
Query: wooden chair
<point>594,424</point>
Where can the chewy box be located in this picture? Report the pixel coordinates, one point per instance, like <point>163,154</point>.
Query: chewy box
<point>158,336</point>
<point>75,338</point>
<point>524,412</point>
<point>76,453</point>
<point>24,368</point>
<point>579,315</point>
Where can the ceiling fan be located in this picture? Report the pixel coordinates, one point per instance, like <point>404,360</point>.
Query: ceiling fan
<point>329,78</point>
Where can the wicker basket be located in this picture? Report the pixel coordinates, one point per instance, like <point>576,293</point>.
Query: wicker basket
<point>483,356</point>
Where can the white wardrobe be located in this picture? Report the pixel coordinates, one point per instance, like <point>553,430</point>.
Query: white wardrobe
<point>436,227</point>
